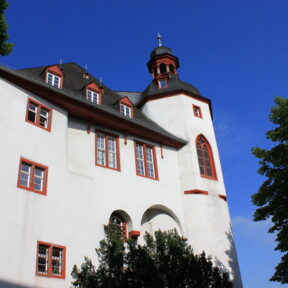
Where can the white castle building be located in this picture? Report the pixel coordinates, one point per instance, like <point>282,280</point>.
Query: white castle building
<point>78,155</point>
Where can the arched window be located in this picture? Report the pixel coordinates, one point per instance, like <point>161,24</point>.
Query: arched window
<point>163,68</point>
<point>119,222</point>
<point>205,158</point>
<point>171,68</point>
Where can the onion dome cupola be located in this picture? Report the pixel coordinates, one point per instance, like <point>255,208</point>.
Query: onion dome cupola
<point>162,62</point>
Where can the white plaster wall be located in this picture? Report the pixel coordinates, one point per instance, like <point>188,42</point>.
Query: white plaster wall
<point>154,220</point>
<point>27,217</point>
<point>207,218</point>
<point>123,190</point>
<point>80,196</point>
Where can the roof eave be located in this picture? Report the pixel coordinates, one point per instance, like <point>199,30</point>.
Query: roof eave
<point>81,109</point>
<point>176,92</point>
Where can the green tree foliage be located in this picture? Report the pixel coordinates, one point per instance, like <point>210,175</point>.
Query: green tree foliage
<point>5,48</point>
<point>272,196</point>
<point>165,261</point>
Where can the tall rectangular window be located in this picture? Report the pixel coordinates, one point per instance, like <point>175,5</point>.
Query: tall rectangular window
<point>107,150</point>
<point>32,176</point>
<point>53,80</point>
<point>145,160</point>
<point>50,260</point>
<point>39,114</point>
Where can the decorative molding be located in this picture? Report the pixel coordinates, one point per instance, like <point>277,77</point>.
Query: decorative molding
<point>223,197</point>
<point>134,234</point>
<point>196,191</point>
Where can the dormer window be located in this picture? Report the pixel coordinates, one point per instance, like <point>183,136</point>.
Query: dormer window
<point>93,96</point>
<point>126,107</point>
<point>125,110</point>
<point>94,93</point>
<point>53,80</point>
<point>54,76</point>
<point>162,83</point>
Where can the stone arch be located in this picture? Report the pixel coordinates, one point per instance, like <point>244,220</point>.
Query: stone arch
<point>160,217</point>
<point>124,216</point>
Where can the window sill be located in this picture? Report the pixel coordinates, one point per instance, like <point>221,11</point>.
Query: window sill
<point>209,177</point>
<point>44,192</point>
<point>115,169</point>
<point>144,176</point>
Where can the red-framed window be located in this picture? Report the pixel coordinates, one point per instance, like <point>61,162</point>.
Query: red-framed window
<point>39,115</point>
<point>145,157</point>
<point>205,158</point>
<point>32,176</point>
<point>54,76</point>
<point>126,107</point>
<point>50,260</point>
<point>197,111</point>
<point>94,93</point>
<point>92,96</point>
<point>125,110</point>
<point>119,222</point>
<point>53,80</point>
<point>107,150</point>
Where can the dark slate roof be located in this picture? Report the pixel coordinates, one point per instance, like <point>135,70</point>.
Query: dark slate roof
<point>133,96</point>
<point>74,82</point>
<point>161,50</point>
<point>74,86</point>
<point>174,84</point>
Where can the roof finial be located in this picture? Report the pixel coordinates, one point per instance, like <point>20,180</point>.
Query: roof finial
<point>101,80</point>
<point>60,63</point>
<point>86,67</point>
<point>159,37</point>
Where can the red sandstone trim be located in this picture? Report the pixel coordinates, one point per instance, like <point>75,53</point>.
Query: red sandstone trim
<point>49,272</point>
<point>223,197</point>
<point>196,191</point>
<point>134,234</point>
<point>30,187</point>
<point>106,149</point>
<point>39,107</point>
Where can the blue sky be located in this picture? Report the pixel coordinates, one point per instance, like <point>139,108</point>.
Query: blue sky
<point>233,51</point>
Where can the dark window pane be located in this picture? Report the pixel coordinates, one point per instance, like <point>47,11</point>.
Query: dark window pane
<point>163,68</point>
<point>31,116</point>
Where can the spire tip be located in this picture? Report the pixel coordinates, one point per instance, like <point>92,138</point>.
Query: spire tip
<point>159,38</point>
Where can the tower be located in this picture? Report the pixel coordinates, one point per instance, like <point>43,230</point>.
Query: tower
<point>179,108</point>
